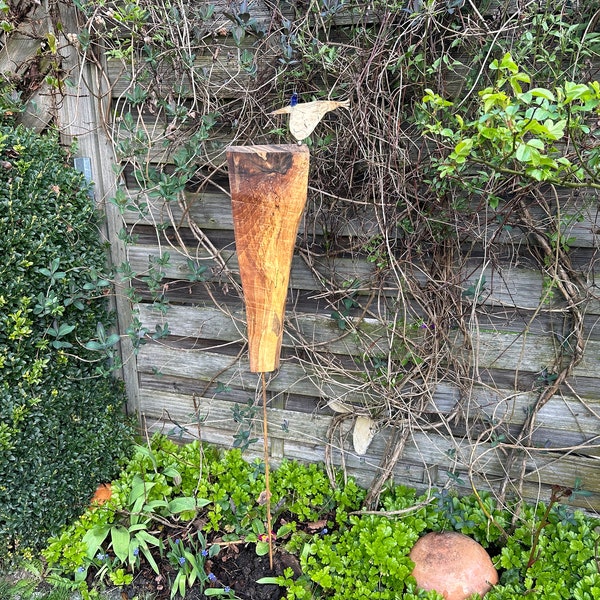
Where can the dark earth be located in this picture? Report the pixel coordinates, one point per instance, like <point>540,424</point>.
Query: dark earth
<point>238,567</point>
<point>241,568</point>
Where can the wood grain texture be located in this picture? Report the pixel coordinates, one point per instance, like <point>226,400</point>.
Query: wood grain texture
<point>78,116</point>
<point>268,194</point>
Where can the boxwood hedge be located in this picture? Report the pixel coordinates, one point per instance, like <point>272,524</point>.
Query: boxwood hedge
<point>62,427</point>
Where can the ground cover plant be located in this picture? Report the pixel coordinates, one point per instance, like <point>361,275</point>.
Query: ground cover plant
<point>184,519</point>
<point>62,428</point>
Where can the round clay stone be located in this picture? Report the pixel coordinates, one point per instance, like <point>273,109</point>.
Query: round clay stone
<point>453,565</point>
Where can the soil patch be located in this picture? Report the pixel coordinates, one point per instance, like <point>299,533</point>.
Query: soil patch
<point>238,567</point>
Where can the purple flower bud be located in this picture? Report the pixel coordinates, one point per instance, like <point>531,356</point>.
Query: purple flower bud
<point>212,577</point>
<point>204,552</point>
<point>182,560</point>
<point>226,589</point>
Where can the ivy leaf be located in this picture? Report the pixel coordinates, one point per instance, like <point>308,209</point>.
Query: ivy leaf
<point>555,130</point>
<point>529,152</point>
<point>542,93</point>
<point>576,91</point>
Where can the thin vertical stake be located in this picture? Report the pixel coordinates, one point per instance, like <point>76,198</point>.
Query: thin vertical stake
<point>266,458</point>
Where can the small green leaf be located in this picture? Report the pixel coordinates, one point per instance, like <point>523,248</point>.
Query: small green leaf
<point>182,504</point>
<point>113,339</point>
<point>144,536</point>
<point>148,555</point>
<point>463,147</point>
<point>52,42</point>
<point>65,329</point>
<point>262,548</point>
<point>171,472</point>
<point>269,580</point>
<point>575,91</point>
<point>154,504</point>
<point>94,346</point>
<point>556,130</point>
<point>139,488</point>
<point>542,93</point>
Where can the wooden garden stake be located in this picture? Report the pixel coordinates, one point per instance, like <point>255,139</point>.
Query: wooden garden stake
<point>268,193</point>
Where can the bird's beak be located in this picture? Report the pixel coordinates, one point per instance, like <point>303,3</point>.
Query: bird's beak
<point>282,111</point>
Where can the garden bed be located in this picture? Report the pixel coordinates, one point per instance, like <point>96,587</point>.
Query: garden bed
<point>238,568</point>
<point>189,521</point>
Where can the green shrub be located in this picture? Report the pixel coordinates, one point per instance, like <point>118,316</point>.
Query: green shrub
<point>62,429</point>
<point>368,558</point>
<point>233,485</point>
<point>564,563</point>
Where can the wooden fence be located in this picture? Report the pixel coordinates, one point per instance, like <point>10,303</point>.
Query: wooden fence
<point>187,382</point>
<point>193,381</point>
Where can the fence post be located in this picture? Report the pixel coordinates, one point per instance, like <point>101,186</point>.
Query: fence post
<point>81,111</point>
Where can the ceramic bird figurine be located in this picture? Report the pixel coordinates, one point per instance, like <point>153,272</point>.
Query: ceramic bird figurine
<point>304,117</point>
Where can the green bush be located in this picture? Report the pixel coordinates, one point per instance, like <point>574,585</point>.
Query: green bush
<point>369,557</point>
<point>62,429</point>
<point>232,484</point>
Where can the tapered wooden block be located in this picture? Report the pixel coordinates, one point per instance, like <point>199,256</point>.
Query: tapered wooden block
<point>268,194</point>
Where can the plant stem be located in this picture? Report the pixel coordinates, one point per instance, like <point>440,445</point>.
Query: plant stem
<point>266,458</point>
<point>558,492</point>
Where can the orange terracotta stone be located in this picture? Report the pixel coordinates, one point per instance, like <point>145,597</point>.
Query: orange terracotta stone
<point>453,565</point>
<point>102,494</point>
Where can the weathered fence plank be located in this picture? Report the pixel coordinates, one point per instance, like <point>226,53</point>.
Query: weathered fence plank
<point>212,422</point>
<point>564,422</point>
<point>513,286</point>
<point>205,209</point>
<point>495,349</point>
<point>79,116</point>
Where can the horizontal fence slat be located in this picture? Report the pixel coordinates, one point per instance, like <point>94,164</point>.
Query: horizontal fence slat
<point>422,449</point>
<point>212,210</point>
<point>493,349</point>
<point>564,421</point>
<point>580,433</point>
<point>514,286</point>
